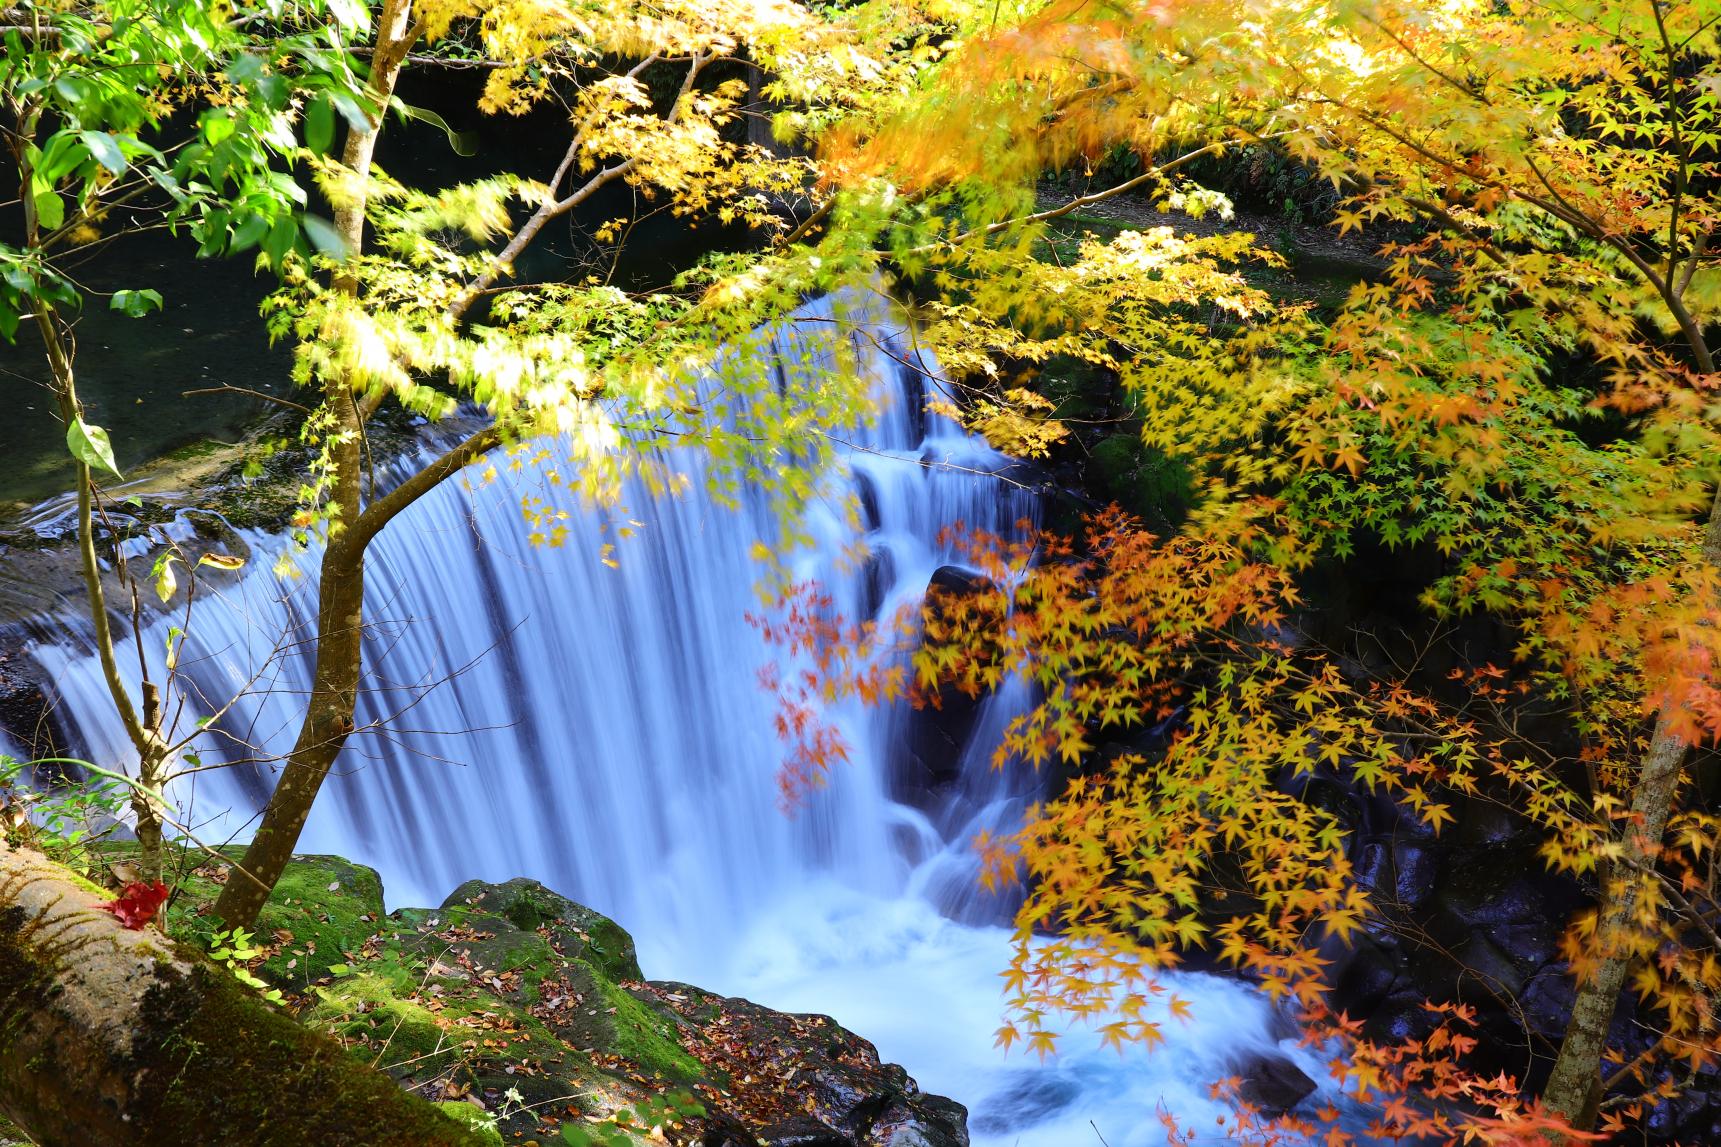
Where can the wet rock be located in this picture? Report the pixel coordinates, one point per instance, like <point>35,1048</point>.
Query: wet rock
<point>803,1131</point>
<point>932,1121</point>
<point>830,1074</point>
<point>1415,867</point>
<point>1365,973</point>
<point>1272,1084</point>
<point>866,493</point>
<point>934,735</point>
<point>877,580</point>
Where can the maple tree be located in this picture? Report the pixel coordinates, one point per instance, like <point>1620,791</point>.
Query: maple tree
<point>1525,394</point>
<point>412,300</point>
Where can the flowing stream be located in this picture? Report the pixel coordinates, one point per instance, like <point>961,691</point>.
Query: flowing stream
<point>606,734</point>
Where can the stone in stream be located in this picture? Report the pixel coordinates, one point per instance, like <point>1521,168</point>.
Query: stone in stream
<point>1272,1084</point>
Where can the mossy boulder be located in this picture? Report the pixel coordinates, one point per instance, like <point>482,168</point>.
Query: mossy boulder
<point>464,943</point>
<point>589,1010</point>
<point>576,930</point>
<point>520,1010</point>
<point>322,908</point>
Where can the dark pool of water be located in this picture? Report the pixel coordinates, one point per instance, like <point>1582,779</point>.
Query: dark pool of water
<point>132,373</point>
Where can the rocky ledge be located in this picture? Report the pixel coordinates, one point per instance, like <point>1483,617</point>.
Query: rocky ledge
<point>526,1014</point>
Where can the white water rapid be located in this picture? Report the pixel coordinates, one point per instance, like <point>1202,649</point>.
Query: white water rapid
<point>607,735</point>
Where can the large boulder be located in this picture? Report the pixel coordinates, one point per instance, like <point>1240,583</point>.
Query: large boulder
<point>517,998</point>
<point>934,735</point>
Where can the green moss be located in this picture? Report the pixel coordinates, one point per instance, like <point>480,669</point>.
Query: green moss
<point>1143,481</point>
<point>648,1039</point>
<point>322,907</point>
<point>11,1136</point>
<point>395,1032</point>
<point>203,448</point>
<point>479,1123</point>
<point>208,1026</point>
<point>578,931</point>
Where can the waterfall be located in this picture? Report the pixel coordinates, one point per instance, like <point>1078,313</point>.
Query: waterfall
<point>604,732</point>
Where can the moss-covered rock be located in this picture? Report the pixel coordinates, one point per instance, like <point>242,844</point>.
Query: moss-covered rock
<point>371,1011</point>
<point>10,1136</point>
<point>520,1009</point>
<point>576,930</point>
<point>589,1010</point>
<point>322,907</point>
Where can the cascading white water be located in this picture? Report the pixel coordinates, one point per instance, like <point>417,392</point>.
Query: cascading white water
<point>607,735</point>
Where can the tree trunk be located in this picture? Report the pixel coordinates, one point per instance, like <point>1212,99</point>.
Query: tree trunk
<point>114,1038</point>
<point>1573,1090</point>
<point>340,590</point>
<point>328,722</point>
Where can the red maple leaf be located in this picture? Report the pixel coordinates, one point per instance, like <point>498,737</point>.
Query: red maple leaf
<point>137,903</point>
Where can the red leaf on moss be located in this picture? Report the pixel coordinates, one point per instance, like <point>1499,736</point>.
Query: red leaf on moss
<point>137,904</point>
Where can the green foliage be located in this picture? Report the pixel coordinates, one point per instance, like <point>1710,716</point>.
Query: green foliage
<point>66,820</point>
<point>483,1126</point>
<point>233,948</point>
<point>90,445</point>
<point>92,96</point>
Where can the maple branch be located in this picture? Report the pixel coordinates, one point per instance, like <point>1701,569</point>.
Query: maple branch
<point>1559,208</point>
<point>380,512</point>
<point>1155,172</point>
<point>1699,248</point>
<point>552,207</point>
<point>811,221</point>
<point>1460,85</point>
<point>1682,172</point>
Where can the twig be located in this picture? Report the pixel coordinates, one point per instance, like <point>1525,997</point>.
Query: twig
<point>246,390</point>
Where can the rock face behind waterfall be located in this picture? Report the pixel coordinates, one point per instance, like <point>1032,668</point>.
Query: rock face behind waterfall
<point>529,1009</point>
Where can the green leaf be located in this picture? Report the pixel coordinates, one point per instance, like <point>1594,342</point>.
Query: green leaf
<point>50,210</point>
<point>90,445</point>
<point>72,89</point>
<point>280,240</point>
<point>323,236</point>
<point>106,149</point>
<point>249,233</point>
<point>320,125</point>
<point>136,304</point>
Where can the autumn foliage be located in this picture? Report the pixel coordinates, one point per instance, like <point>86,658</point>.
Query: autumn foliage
<point>1515,410</point>
<point>137,904</point>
